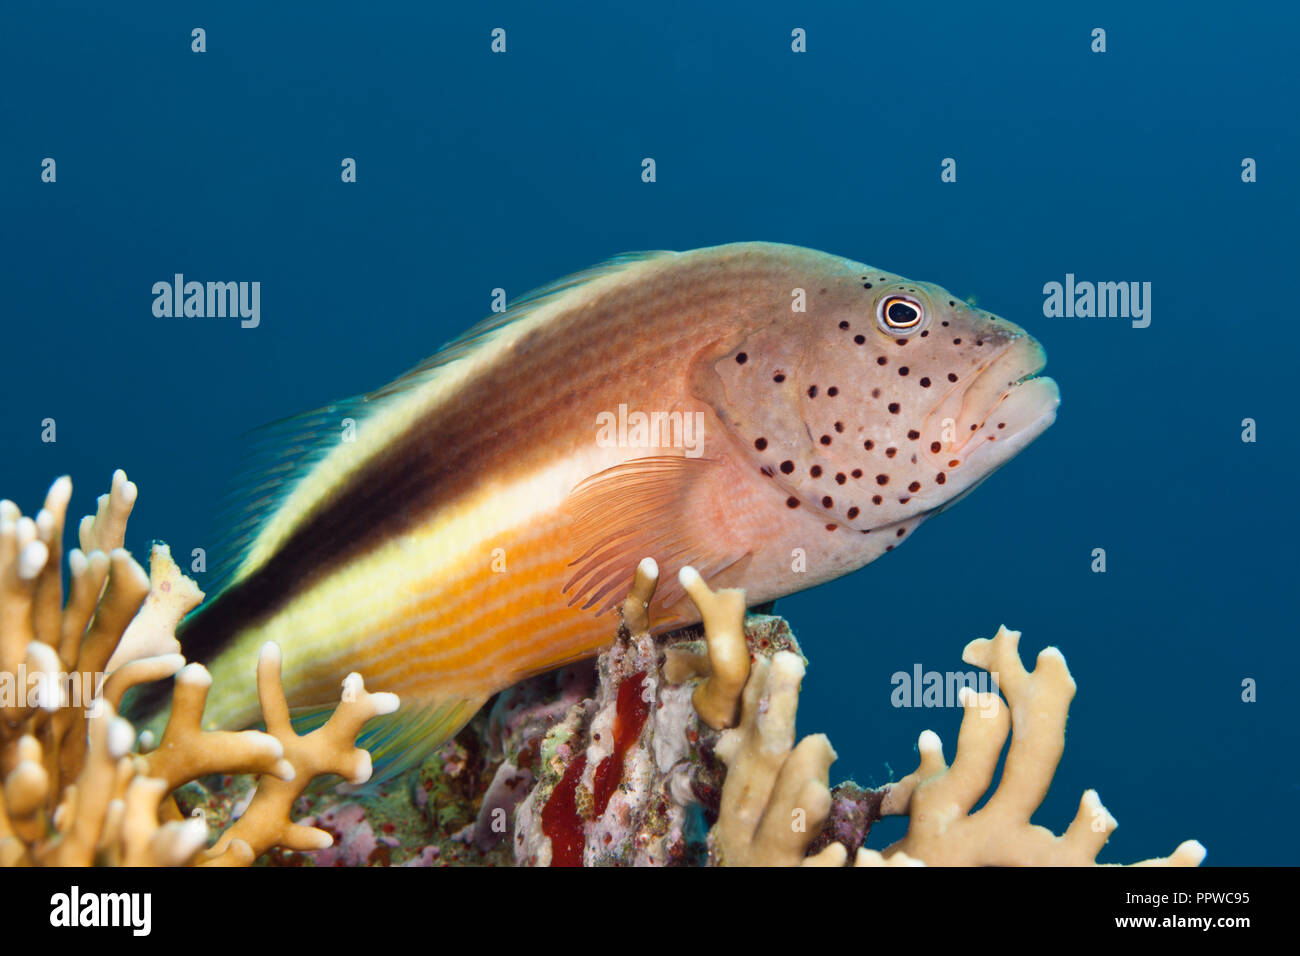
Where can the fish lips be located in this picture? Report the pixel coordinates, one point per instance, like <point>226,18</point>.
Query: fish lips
<point>1000,411</point>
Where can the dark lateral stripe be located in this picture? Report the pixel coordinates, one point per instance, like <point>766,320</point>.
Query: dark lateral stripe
<point>442,455</point>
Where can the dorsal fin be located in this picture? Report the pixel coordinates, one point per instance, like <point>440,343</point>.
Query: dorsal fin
<point>282,453</point>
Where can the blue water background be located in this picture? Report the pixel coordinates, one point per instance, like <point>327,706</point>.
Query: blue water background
<point>478,170</point>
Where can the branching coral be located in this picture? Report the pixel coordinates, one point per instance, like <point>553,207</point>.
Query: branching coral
<point>717,698</point>
<point>628,775</point>
<point>774,801</point>
<point>327,750</point>
<point>939,798</point>
<point>776,795</point>
<point>75,789</point>
<point>776,798</point>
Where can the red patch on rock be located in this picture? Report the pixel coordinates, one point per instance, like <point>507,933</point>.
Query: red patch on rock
<point>629,717</point>
<point>560,820</point>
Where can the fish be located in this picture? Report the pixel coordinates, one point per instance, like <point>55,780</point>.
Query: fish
<point>773,416</point>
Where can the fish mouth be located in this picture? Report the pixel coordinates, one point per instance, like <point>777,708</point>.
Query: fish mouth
<point>1005,407</point>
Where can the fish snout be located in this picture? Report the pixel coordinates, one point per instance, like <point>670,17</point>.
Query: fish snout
<point>998,411</point>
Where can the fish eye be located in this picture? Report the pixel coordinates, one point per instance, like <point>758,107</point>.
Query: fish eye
<point>900,313</point>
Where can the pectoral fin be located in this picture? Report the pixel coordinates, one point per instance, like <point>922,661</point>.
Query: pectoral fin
<point>664,508</point>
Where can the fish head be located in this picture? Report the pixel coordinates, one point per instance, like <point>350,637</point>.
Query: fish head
<point>886,401</point>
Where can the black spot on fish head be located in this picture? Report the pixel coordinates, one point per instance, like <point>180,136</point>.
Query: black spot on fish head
<point>982,403</point>
<point>867,379</point>
<point>861,407</point>
<point>892,378</point>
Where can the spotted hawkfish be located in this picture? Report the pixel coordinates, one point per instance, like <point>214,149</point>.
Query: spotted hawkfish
<point>719,408</point>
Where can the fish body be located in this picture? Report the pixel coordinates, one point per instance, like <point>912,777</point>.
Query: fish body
<point>774,416</point>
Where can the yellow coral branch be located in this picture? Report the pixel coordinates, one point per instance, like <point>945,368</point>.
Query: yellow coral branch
<point>776,795</point>
<point>939,799</point>
<point>636,605</point>
<point>723,613</point>
<point>187,751</point>
<point>72,790</point>
<point>330,749</point>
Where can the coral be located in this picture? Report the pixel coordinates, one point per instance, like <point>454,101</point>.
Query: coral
<point>717,698</point>
<point>495,817</point>
<point>854,810</point>
<point>777,795</point>
<point>615,776</point>
<point>673,749</point>
<point>938,799</point>
<point>771,783</point>
<point>454,809</point>
<point>776,799</point>
<point>630,776</point>
<point>326,750</point>
<point>76,787</point>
